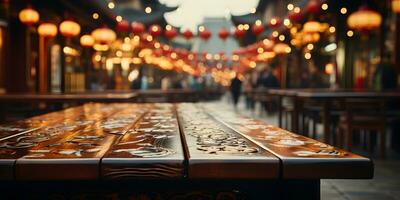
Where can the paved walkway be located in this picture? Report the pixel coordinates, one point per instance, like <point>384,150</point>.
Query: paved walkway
<point>384,186</point>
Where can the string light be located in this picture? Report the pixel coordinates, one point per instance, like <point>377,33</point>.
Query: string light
<point>343,10</point>
<point>253,10</point>
<point>350,33</point>
<point>310,47</point>
<point>111,5</point>
<point>325,6</point>
<point>307,56</point>
<point>275,34</point>
<point>290,6</point>
<point>118,18</point>
<point>148,10</point>
<point>332,29</point>
<point>281,37</point>
<point>95,16</point>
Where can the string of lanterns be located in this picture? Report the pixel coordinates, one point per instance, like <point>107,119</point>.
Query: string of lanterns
<point>363,20</point>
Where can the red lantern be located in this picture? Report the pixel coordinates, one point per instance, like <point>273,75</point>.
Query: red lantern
<point>295,16</point>
<point>170,32</point>
<point>205,34</point>
<point>155,30</point>
<point>223,34</point>
<point>187,34</point>
<point>137,28</point>
<point>314,6</point>
<point>239,33</point>
<point>275,22</point>
<point>123,26</point>
<point>257,28</point>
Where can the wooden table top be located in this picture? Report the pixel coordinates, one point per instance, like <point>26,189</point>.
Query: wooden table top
<point>67,97</point>
<point>164,141</point>
<point>301,157</point>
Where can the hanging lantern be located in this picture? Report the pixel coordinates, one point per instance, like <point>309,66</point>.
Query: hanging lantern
<point>314,6</point>
<point>123,26</point>
<point>364,20</point>
<point>47,30</point>
<point>205,34</point>
<point>275,22</point>
<point>257,28</point>
<point>170,32</point>
<point>29,16</point>
<point>104,35</point>
<point>295,16</point>
<point>155,30</point>
<point>187,34</point>
<point>223,34</point>
<point>137,28</point>
<point>312,27</point>
<point>87,41</point>
<point>69,28</point>
<point>239,33</point>
<point>281,48</point>
<point>310,38</point>
<point>396,6</point>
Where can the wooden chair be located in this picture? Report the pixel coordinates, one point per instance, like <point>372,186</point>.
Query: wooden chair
<point>367,115</point>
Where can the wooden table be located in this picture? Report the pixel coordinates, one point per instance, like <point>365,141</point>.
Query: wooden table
<point>183,151</point>
<point>69,97</point>
<point>326,97</point>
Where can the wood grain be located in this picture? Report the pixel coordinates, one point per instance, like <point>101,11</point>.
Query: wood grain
<point>302,157</point>
<point>217,152</point>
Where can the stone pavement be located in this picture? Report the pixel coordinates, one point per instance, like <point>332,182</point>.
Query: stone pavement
<point>384,186</point>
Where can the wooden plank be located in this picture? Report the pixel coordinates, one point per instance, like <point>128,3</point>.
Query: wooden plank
<point>151,149</point>
<point>76,154</point>
<point>217,152</point>
<point>302,157</point>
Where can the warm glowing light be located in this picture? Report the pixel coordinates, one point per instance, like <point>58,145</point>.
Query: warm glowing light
<point>70,51</point>
<point>329,68</point>
<point>149,38</point>
<point>87,40</point>
<point>235,57</point>
<point>104,35</point>
<point>118,18</point>
<point>286,22</point>
<point>246,27</point>
<point>332,29</point>
<point>364,20</point>
<point>297,10</point>
<point>281,37</point>
<point>118,53</point>
<point>47,30</point>
<point>252,64</point>
<point>95,15</point>
<point>69,28</point>
<point>147,10</point>
<point>201,28</point>
<point>109,64</point>
<point>350,33</point>
<point>268,44</point>
<point>307,56</point>
<point>260,50</point>
<point>97,58</point>
<point>125,64</point>
<point>396,6</point>
<point>324,6</point>
<point>343,10</point>
<point>174,55</point>
<point>111,5</point>
<point>312,27</point>
<point>133,75</point>
<point>282,48</point>
<point>101,47</point>
<point>275,34</point>
<point>258,22</point>
<point>330,47</point>
<point>29,16</point>
<point>290,6</point>
<point>157,45</point>
<point>310,47</point>
<point>253,10</point>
